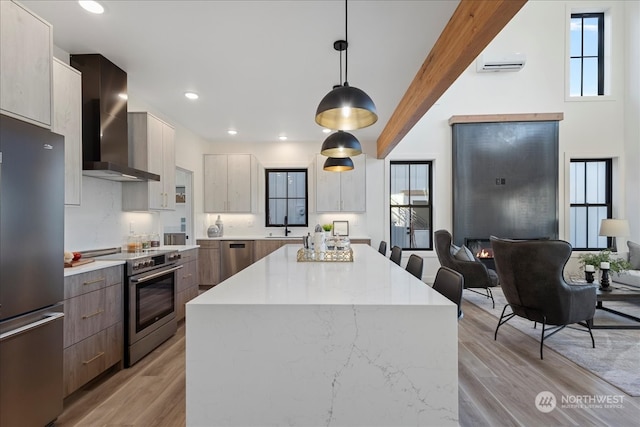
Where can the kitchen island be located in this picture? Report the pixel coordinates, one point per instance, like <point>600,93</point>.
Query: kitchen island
<point>319,343</point>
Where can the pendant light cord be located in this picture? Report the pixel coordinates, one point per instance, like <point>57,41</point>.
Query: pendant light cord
<point>346,50</point>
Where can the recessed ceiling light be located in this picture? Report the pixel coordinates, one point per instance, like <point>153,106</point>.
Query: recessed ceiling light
<point>325,130</point>
<point>232,132</point>
<point>282,137</point>
<point>191,95</point>
<point>91,6</point>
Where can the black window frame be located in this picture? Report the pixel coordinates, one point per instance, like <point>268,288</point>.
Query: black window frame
<point>608,201</point>
<point>267,198</point>
<point>600,56</point>
<point>411,206</point>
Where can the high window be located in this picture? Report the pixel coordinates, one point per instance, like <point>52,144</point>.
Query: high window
<point>590,198</point>
<point>410,204</point>
<point>587,54</point>
<point>286,197</point>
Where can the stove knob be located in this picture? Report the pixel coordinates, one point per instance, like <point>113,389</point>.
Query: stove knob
<point>152,263</point>
<point>136,265</point>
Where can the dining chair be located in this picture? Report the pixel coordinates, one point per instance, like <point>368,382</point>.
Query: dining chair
<point>450,283</point>
<point>383,248</point>
<point>414,265</point>
<point>396,254</point>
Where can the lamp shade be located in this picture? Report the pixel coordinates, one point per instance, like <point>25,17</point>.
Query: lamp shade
<point>338,164</point>
<point>341,144</point>
<point>346,108</point>
<point>614,228</point>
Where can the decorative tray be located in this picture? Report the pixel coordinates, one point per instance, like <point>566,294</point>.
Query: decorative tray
<point>306,255</point>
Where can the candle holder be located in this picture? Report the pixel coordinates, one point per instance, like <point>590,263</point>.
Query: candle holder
<point>604,280</point>
<point>588,276</point>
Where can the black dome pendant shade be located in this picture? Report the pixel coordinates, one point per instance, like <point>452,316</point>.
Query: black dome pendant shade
<point>346,107</point>
<point>333,164</point>
<point>341,144</point>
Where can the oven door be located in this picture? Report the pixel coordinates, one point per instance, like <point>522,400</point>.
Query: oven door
<point>152,301</point>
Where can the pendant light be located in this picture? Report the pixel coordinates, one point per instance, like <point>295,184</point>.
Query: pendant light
<point>338,164</point>
<point>341,144</point>
<point>346,107</point>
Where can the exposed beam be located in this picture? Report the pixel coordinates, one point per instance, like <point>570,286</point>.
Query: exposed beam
<point>471,28</point>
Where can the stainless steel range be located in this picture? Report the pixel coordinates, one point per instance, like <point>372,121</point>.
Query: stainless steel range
<point>149,300</point>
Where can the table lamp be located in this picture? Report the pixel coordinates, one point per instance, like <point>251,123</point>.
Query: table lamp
<point>614,228</point>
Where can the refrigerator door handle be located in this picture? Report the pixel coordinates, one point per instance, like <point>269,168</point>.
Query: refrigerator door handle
<point>50,318</point>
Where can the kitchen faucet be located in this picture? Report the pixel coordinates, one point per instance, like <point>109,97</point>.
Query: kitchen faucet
<point>286,223</point>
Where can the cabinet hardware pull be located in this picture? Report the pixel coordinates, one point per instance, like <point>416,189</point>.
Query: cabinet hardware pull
<point>91,282</point>
<point>86,316</point>
<point>86,362</point>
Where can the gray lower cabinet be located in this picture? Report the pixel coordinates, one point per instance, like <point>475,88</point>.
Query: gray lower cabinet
<point>93,325</point>
<point>209,262</point>
<point>187,278</point>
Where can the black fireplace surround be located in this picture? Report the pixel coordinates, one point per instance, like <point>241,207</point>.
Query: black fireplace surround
<point>505,182</point>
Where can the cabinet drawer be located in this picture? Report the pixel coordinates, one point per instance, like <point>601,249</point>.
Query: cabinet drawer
<point>87,314</point>
<point>188,256</point>
<point>90,357</point>
<point>93,280</point>
<point>209,244</point>
<point>183,298</point>
<point>187,276</point>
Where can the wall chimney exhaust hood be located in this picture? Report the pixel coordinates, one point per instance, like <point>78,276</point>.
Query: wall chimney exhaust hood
<point>105,139</point>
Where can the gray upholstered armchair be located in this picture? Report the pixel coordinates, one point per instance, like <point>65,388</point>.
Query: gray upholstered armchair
<point>531,278</point>
<point>475,273</point>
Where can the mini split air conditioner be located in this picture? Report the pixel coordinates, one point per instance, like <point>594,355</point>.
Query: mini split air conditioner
<point>510,62</point>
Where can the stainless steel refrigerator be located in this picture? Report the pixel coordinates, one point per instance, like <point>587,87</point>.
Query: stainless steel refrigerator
<point>31,273</point>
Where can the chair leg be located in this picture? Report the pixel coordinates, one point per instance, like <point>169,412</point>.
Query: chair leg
<point>593,342</point>
<point>487,293</point>
<point>544,322</point>
<point>502,322</point>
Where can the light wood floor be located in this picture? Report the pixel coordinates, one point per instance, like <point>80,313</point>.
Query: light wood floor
<point>498,383</point>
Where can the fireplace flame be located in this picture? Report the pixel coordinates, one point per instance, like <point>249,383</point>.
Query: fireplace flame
<point>484,254</point>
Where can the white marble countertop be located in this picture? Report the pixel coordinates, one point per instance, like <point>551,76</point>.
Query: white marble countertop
<point>279,279</point>
<point>322,343</point>
<point>95,265</point>
<point>180,248</point>
<point>263,237</point>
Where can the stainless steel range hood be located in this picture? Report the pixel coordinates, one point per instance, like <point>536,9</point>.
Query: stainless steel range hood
<point>105,140</point>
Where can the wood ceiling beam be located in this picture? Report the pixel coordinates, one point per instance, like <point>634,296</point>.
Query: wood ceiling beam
<point>471,28</point>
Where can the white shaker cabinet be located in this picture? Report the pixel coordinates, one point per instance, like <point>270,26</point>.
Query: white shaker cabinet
<point>341,191</point>
<point>26,52</point>
<point>230,183</point>
<point>67,121</point>
<point>152,149</point>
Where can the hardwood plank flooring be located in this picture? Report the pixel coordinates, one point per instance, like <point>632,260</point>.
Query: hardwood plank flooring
<point>498,384</point>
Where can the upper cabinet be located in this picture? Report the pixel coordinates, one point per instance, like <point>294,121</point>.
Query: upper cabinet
<point>230,183</point>
<point>341,191</point>
<point>151,148</point>
<point>67,121</point>
<point>26,52</point>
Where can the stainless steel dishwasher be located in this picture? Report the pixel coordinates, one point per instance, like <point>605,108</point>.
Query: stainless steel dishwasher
<point>235,255</point>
